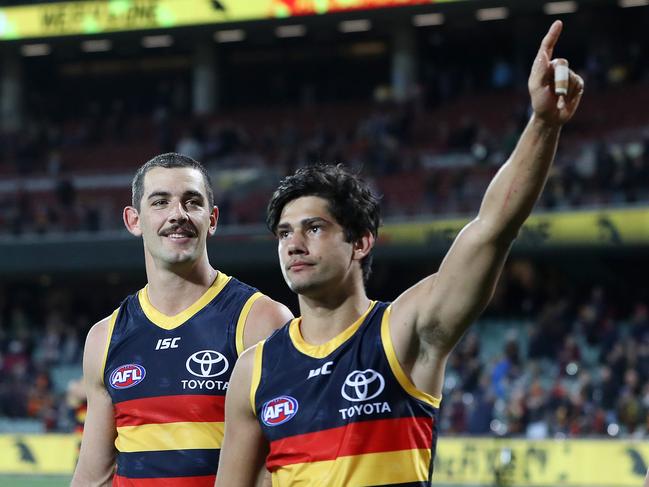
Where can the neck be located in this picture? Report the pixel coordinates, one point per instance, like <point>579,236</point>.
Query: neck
<point>323,318</point>
<point>172,289</point>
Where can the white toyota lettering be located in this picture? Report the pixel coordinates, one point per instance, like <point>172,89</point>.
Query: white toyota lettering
<point>365,409</point>
<point>209,385</point>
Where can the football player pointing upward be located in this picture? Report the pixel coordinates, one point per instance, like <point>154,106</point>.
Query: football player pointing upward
<point>348,394</point>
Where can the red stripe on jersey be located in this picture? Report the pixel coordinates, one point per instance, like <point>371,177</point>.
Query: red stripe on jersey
<point>381,435</point>
<point>202,481</point>
<point>170,409</point>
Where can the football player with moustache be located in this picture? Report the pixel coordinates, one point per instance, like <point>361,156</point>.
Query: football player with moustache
<point>156,371</point>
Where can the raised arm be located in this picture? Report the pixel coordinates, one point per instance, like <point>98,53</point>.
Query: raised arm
<point>244,447</point>
<point>429,319</point>
<point>97,457</point>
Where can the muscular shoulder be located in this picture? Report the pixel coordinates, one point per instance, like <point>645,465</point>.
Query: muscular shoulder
<point>98,334</point>
<point>96,342</point>
<point>245,362</point>
<point>266,316</point>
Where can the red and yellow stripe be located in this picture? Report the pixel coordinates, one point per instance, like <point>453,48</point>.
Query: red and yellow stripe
<point>364,453</point>
<point>201,481</point>
<point>170,423</point>
<point>398,467</point>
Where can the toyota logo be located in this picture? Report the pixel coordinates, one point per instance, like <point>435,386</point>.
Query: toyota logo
<point>207,363</point>
<point>362,385</point>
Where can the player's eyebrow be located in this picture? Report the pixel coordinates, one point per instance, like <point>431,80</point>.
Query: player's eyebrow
<point>194,194</point>
<point>157,194</point>
<point>316,219</point>
<point>167,194</point>
<point>304,223</point>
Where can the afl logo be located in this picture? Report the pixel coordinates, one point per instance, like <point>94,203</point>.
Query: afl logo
<point>207,363</point>
<point>126,376</point>
<point>279,410</point>
<point>362,385</point>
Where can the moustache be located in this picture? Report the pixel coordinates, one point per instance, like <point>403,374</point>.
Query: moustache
<point>188,230</point>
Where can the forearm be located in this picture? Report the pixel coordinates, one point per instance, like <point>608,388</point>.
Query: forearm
<point>516,188</point>
<point>87,474</point>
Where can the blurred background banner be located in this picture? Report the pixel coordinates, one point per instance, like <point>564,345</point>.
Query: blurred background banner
<point>53,454</point>
<point>101,16</point>
<point>587,463</point>
<point>459,462</point>
<point>549,230</point>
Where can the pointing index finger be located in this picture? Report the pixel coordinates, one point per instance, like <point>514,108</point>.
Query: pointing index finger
<point>550,39</point>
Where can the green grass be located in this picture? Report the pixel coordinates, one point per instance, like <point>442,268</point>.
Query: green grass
<point>34,481</point>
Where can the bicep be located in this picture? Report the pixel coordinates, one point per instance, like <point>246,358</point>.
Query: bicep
<point>97,455</point>
<point>438,309</point>
<point>244,447</point>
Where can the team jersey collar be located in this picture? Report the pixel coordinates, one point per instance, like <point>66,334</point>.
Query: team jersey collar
<point>171,322</point>
<point>324,349</point>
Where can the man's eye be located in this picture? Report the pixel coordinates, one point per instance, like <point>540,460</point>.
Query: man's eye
<point>159,202</point>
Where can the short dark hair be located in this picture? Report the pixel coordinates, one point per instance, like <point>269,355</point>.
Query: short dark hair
<point>168,161</point>
<point>350,199</point>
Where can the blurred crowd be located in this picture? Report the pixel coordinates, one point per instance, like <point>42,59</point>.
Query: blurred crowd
<point>42,332</point>
<point>567,367</point>
<point>544,361</point>
<point>431,154</point>
<point>418,168</point>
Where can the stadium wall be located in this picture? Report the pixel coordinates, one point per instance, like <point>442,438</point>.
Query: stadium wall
<point>459,461</point>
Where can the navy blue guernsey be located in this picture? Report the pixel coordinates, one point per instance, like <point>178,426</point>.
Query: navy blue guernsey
<point>342,413</point>
<point>167,377</point>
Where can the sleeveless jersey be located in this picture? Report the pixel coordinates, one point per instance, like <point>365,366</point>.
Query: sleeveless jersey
<point>342,414</point>
<point>167,377</point>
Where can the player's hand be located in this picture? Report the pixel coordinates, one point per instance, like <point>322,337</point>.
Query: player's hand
<point>549,106</point>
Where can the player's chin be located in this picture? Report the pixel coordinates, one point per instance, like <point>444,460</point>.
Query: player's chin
<point>180,257</point>
<point>299,286</point>
<point>305,287</point>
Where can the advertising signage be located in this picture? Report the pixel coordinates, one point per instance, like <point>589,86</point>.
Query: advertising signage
<point>100,16</point>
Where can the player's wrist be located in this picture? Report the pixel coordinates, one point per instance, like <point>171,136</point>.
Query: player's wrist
<point>545,123</point>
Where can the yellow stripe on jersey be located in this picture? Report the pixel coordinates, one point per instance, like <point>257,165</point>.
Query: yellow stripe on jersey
<point>241,322</point>
<point>169,436</point>
<point>398,372</point>
<point>324,349</point>
<point>256,374</point>
<point>111,327</point>
<point>171,322</point>
<point>370,469</point>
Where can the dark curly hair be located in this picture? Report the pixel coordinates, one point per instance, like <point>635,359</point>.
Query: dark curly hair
<point>168,161</point>
<point>350,199</point>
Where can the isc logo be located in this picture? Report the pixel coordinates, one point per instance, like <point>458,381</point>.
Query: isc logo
<point>164,343</point>
<point>126,376</point>
<point>279,410</point>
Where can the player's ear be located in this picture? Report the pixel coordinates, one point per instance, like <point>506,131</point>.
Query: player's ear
<point>214,219</point>
<point>363,246</point>
<point>132,220</point>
